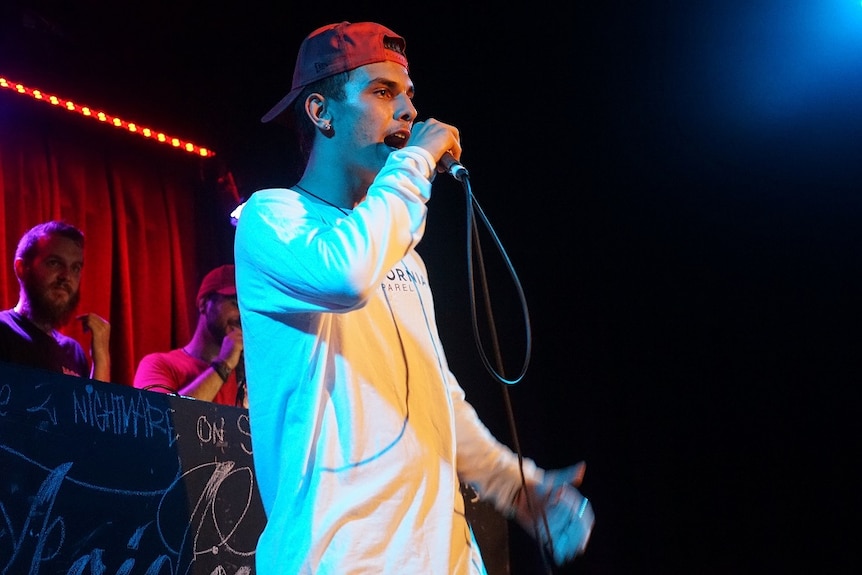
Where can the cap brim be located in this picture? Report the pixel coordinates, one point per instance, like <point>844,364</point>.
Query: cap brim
<point>282,105</point>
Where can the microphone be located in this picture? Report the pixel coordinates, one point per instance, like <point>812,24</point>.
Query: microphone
<point>240,381</point>
<point>453,167</point>
<point>240,369</point>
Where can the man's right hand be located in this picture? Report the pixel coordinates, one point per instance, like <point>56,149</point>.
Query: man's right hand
<point>231,348</point>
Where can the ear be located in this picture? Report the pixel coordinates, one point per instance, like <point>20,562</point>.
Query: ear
<point>318,112</point>
<point>19,268</point>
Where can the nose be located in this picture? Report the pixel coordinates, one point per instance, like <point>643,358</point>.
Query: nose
<point>406,110</point>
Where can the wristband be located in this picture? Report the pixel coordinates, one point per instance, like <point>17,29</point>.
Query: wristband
<point>221,369</point>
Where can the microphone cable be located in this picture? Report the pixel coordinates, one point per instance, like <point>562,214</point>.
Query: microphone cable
<point>475,260</point>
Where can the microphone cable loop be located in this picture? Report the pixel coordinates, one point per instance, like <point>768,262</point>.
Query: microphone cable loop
<point>476,260</point>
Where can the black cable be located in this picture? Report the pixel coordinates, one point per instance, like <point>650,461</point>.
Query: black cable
<point>476,259</point>
<point>169,390</point>
<point>473,233</point>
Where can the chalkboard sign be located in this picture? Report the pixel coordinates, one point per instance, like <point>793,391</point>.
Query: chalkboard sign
<point>104,478</point>
<point>99,478</point>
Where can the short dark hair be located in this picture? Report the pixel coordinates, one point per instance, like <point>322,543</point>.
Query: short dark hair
<point>331,87</point>
<point>27,244</point>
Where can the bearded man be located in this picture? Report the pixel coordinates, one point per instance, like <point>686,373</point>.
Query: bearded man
<point>48,264</point>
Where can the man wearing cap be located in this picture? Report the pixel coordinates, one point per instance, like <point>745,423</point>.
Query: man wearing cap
<point>210,366</point>
<point>361,433</point>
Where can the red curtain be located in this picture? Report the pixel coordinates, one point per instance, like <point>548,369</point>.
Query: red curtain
<point>155,220</point>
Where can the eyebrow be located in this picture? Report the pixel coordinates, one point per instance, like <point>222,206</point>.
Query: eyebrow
<point>391,84</point>
<point>58,258</point>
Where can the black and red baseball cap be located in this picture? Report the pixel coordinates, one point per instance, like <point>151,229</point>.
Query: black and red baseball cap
<point>337,48</point>
<point>221,280</point>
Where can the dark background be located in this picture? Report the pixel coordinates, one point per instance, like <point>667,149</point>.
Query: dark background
<point>677,185</point>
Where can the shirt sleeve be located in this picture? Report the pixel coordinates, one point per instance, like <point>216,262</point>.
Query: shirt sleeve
<point>153,375</point>
<point>296,255</point>
<point>487,465</point>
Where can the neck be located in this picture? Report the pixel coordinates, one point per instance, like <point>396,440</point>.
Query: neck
<point>339,188</point>
<point>23,309</point>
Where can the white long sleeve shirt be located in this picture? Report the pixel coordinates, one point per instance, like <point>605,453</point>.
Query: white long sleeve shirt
<point>360,432</point>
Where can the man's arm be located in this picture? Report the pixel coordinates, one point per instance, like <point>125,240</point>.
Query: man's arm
<point>100,348</point>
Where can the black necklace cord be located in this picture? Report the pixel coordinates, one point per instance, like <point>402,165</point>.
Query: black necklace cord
<point>325,201</point>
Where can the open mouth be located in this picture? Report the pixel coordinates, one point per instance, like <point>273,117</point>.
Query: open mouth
<point>397,140</point>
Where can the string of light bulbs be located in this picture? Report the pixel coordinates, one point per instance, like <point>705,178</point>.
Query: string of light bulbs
<point>105,118</point>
